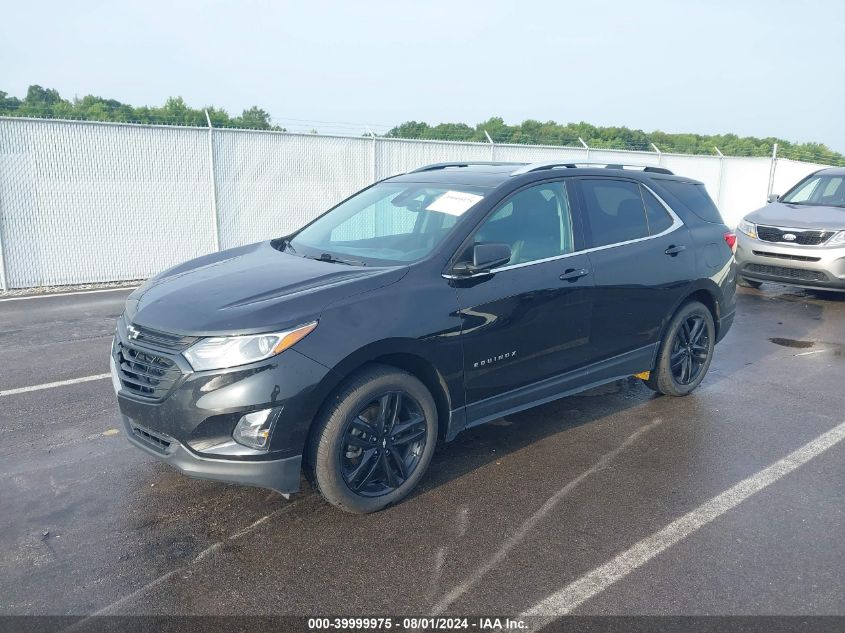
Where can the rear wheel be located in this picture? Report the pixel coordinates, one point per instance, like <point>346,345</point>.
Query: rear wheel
<point>686,351</point>
<point>375,440</point>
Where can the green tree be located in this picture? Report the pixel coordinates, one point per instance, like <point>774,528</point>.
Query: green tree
<point>532,131</point>
<point>254,118</point>
<point>47,102</point>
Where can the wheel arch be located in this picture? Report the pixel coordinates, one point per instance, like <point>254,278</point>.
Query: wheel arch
<point>706,297</point>
<point>403,355</point>
<point>705,292</point>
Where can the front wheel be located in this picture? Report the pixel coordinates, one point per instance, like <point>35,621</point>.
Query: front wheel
<point>686,351</point>
<point>374,440</point>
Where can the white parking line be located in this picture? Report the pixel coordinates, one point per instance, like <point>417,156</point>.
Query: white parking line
<point>68,294</point>
<point>51,385</point>
<point>528,525</point>
<point>81,625</point>
<point>596,581</point>
<point>817,351</point>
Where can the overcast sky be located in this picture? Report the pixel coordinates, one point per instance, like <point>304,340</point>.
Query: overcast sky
<point>767,68</point>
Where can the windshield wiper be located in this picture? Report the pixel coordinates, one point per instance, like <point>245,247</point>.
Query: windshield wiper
<point>332,259</point>
<point>816,204</point>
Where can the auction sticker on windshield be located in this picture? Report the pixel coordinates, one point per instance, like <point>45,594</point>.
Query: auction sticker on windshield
<point>454,202</point>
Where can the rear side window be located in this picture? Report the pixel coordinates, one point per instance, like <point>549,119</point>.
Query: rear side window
<point>658,219</point>
<point>695,198</point>
<point>614,210</point>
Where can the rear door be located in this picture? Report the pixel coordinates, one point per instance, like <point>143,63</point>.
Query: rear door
<point>643,263</point>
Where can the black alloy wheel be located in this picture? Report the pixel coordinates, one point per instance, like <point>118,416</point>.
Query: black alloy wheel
<point>690,350</point>
<point>685,354</point>
<point>382,444</point>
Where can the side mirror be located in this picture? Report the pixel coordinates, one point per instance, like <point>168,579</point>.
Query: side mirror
<point>773,197</point>
<point>485,257</point>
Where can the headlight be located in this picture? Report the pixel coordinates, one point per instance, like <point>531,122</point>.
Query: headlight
<point>219,352</point>
<point>837,240</point>
<point>748,228</point>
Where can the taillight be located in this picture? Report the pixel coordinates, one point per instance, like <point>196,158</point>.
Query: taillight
<point>730,240</point>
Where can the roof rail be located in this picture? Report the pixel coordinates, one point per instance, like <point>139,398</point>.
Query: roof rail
<point>466,163</point>
<point>525,169</point>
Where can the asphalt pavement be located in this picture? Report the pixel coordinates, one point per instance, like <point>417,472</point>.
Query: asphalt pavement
<point>510,514</point>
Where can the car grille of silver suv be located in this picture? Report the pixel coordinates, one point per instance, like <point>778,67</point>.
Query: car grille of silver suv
<point>787,273</point>
<point>804,238</point>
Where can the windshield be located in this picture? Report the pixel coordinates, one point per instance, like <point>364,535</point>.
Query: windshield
<point>818,190</point>
<point>387,223</point>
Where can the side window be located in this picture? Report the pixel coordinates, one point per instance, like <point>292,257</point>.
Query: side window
<point>694,197</point>
<point>832,193</point>
<point>614,210</point>
<point>535,223</point>
<point>658,219</point>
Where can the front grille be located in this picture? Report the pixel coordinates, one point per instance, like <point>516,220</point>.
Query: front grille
<point>787,273</point>
<point>804,238</point>
<point>146,337</point>
<point>145,373</point>
<point>795,258</point>
<point>158,441</point>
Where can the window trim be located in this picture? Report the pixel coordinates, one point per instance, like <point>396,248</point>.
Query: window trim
<point>676,224</point>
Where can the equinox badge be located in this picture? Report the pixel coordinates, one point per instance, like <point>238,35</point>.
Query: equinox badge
<point>494,359</point>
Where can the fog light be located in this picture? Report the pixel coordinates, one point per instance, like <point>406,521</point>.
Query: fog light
<point>254,428</point>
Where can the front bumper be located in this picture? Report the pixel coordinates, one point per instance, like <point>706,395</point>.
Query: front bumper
<point>803,266</point>
<point>281,475</point>
<point>190,423</point>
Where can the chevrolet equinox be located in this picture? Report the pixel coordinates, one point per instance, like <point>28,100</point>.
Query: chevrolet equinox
<point>423,305</point>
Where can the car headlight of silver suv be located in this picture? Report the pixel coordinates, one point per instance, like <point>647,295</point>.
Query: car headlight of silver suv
<point>220,352</point>
<point>837,240</point>
<point>748,228</point>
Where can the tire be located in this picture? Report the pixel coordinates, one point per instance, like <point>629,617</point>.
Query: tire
<point>357,461</point>
<point>680,366</point>
<point>749,283</point>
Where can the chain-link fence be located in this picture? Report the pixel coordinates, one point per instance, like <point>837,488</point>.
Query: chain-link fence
<point>84,202</point>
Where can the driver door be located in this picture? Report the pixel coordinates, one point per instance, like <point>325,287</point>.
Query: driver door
<point>527,321</point>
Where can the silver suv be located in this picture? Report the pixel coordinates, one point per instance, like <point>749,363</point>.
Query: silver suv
<point>799,237</point>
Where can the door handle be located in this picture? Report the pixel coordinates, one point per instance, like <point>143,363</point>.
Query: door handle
<point>571,274</point>
<point>674,250</point>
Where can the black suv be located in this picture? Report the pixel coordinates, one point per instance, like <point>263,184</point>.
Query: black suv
<point>423,305</point>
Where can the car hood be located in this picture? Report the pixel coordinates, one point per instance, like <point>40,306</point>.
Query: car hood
<point>799,216</point>
<point>245,290</point>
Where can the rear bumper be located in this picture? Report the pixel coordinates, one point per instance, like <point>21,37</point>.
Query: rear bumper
<point>803,266</point>
<point>281,475</point>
